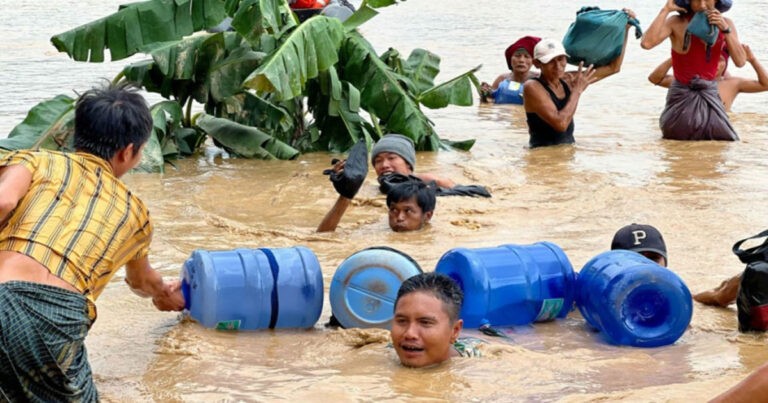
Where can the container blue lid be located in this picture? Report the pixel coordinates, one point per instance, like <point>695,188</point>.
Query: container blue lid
<point>365,285</point>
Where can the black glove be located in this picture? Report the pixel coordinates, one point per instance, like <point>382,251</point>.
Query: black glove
<point>349,180</point>
<point>464,190</point>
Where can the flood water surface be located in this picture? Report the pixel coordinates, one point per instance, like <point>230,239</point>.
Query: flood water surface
<point>702,196</point>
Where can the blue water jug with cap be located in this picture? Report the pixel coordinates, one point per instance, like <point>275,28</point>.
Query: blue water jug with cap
<point>511,284</point>
<point>364,286</point>
<point>250,289</point>
<point>632,300</point>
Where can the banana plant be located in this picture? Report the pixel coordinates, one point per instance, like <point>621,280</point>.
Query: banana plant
<point>268,87</point>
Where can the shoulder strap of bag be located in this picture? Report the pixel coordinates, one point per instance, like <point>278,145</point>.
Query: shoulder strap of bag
<point>754,253</point>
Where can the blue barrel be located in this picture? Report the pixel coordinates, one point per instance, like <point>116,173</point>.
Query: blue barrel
<point>253,288</point>
<point>632,300</point>
<point>365,285</point>
<point>511,284</point>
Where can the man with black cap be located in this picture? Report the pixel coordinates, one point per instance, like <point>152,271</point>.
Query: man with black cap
<point>648,241</point>
<point>643,239</point>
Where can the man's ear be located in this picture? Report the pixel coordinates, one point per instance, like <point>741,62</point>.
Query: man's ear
<point>428,216</point>
<point>456,329</point>
<point>127,153</point>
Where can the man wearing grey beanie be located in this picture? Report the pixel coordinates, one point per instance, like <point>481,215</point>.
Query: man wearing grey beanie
<point>395,153</point>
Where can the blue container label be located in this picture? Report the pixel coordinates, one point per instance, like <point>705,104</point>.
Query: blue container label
<point>228,325</point>
<point>550,308</point>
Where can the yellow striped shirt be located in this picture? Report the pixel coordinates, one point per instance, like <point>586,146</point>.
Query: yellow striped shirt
<point>77,219</point>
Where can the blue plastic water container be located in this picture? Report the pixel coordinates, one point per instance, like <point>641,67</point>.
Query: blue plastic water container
<point>511,284</point>
<point>253,288</point>
<point>632,300</point>
<point>364,286</point>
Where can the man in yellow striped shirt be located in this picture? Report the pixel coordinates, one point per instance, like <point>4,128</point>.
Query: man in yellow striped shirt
<point>67,224</point>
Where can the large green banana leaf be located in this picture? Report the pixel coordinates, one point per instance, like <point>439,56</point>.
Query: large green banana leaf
<point>399,70</point>
<point>251,110</point>
<point>137,25</point>
<point>309,49</point>
<point>246,141</point>
<point>365,12</point>
<point>359,17</point>
<point>226,77</point>
<point>382,94</point>
<point>423,67</point>
<point>457,91</point>
<point>164,143</point>
<point>380,3</point>
<point>336,108</point>
<point>202,66</point>
<point>48,124</point>
<point>261,22</point>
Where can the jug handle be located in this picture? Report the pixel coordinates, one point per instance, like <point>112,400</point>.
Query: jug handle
<point>185,291</point>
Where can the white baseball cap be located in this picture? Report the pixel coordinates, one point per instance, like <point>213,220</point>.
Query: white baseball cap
<point>548,49</point>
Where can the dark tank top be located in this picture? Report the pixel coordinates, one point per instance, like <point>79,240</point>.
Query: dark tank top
<point>541,133</point>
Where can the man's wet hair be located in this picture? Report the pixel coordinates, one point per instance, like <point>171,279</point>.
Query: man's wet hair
<point>425,194</point>
<point>110,117</point>
<point>441,286</point>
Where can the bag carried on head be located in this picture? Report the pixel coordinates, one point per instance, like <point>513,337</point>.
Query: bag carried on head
<point>700,27</point>
<point>597,36</point>
<point>752,301</point>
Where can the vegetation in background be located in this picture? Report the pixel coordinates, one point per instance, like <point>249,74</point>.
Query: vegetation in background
<point>270,87</point>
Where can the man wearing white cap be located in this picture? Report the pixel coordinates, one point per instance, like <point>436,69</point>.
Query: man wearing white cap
<point>550,100</point>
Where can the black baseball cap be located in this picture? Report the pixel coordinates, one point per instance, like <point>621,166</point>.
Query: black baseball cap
<point>640,238</point>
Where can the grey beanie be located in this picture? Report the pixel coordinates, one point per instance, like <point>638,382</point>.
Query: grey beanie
<point>398,144</point>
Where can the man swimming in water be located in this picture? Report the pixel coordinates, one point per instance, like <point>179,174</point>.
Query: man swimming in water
<point>410,203</point>
<point>426,326</point>
<point>643,239</point>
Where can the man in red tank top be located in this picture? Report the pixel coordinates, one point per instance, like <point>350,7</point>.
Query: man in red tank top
<point>695,68</point>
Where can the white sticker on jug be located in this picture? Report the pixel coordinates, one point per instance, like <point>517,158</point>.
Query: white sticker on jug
<point>550,308</point>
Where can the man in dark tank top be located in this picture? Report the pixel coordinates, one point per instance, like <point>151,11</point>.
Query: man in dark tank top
<point>551,99</point>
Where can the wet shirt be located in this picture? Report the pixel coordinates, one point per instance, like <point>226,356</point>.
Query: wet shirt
<point>468,346</point>
<point>77,219</point>
<point>541,133</point>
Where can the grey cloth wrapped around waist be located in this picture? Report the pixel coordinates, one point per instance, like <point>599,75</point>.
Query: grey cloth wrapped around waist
<point>695,112</point>
<point>42,344</point>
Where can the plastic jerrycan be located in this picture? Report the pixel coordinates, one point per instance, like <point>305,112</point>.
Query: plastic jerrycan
<point>253,288</point>
<point>632,300</point>
<point>511,284</point>
<point>364,286</point>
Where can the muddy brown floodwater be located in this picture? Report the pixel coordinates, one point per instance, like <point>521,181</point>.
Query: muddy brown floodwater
<point>702,196</point>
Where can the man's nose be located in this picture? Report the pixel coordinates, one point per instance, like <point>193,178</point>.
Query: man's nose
<point>410,331</point>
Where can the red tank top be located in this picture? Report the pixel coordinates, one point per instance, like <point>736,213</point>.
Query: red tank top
<point>694,63</point>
